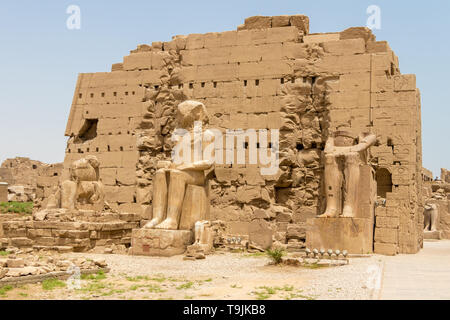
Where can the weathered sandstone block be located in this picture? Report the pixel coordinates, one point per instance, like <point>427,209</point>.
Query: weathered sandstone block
<point>160,242</point>
<point>352,234</point>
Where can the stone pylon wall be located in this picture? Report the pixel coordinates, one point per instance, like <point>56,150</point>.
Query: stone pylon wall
<point>269,74</point>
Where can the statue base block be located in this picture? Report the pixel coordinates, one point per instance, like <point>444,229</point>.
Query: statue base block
<point>432,235</point>
<point>159,242</point>
<point>352,234</point>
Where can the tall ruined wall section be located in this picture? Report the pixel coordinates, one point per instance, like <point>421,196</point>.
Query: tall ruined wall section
<point>106,110</point>
<point>269,74</point>
<point>248,79</point>
<point>372,95</point>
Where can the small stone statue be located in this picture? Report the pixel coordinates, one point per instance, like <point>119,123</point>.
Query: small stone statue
<point>343,158</point>
<point>54,200</point>
<point>431,215</point>
<point>171,179</point>
<point>203,235</point>
<point>204,239</point>
<point>84,186</point>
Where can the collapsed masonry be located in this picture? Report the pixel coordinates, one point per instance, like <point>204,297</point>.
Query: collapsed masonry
<point>80,232</point>
<point>269,74</point>
<point>76,217</point>
<point>29,180</point>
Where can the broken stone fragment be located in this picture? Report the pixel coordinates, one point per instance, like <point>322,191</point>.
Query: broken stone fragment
<point>108,250</point>
<point>63,264</point>
<point>261,214</point>
<point>100,262</point>
<point>15,263</point>
<point>40,215</point>
<point>260,233</point>
<point>79,261</point>
<point>120,249</point>
<point>189,258</point>
<point>200,255</point>
<point>47,269</point>
<point>295,245</point>
<point>301,22</point>
<point>278,245</point>
<point>64,249</point>
<point>291,261</point>
<point>12,250</point>
<point>284,217</point>
<point>29,271</point>
<point>258,22</point>
<point>296,231</point>
<point>25,271</point>
<point>14,272</point>
<point>357,32</point>
<point>3,272</point>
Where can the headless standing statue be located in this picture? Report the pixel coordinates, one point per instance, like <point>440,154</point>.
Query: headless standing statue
<point>342,161</point>
<point>171,179</point>
<point>431,216</point>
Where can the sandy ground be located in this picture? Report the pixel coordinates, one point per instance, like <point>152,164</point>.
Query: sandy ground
<point>220,276</point>
<point>425,275</point>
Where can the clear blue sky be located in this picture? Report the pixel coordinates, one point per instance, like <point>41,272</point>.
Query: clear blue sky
<point>40,58</point>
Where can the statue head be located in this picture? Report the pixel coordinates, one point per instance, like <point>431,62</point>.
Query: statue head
<point>189,112</point>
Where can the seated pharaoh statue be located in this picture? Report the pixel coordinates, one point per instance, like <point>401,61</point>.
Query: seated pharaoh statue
<point>343,157</point>
<point>192,156</point>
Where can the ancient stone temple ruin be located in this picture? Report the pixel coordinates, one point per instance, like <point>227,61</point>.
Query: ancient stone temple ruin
<point>29,180</point>
<point>271,73</point>
<point>436,196</point>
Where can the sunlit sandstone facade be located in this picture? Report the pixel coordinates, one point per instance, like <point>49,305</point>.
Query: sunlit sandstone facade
<point>271,73</point>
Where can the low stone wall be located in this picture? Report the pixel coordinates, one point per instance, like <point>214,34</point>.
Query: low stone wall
<point>78,236</point>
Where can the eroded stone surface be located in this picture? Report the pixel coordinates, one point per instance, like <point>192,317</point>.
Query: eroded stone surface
<point>159,242</point>
<point>270,73</point>
<point>22,262</point>
<point>352,234</point>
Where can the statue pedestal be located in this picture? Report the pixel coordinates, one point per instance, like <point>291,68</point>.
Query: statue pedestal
<point>432,235</point>
<point>160,242</point>
<point>352,234</point>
